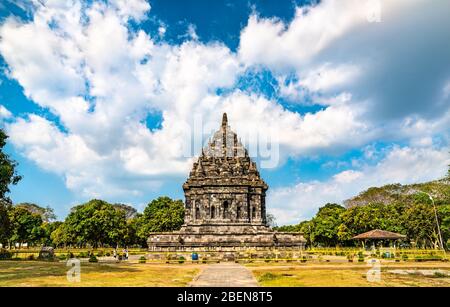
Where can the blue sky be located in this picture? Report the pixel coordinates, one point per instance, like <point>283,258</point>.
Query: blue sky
<point>96,96</point>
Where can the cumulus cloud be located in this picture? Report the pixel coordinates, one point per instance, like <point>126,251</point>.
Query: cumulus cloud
<point>102,79</point>
<point>4,113</point>
<point>397,66</point>
<point>400,164</point>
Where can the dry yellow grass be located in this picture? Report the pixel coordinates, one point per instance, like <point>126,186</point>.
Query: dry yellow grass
<point>345,275</point>
<point>36,273</point>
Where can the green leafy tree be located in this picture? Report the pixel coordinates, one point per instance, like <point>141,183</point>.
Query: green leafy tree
<point>133,235</point>
<point>48,228</point>
<point>5,223</point>
<point>444,219</point>
<point>162,214</point>
<point>96,223</point>
<point>61,237</point>
<point>25,226</point>
<point>360,219</point>
<point>325,225</point>
<point>8,176</point>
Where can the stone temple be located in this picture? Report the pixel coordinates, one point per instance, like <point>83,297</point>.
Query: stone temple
<point>225,205</point>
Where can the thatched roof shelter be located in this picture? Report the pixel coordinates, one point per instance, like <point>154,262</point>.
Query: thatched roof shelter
<point>378,234</point>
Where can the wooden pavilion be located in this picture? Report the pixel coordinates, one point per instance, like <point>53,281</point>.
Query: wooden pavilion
<point>378,235</point>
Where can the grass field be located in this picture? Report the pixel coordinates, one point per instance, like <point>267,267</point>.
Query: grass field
<point>348,275</point>
<point>39,273</point>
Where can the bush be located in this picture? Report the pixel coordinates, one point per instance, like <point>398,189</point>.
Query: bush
<point>268,276</point>
<point>350,257</point>
<point>360,256</point>
<point>62,257</point>
<point>93,259</point>
<point>107,254</point>
<point>83,255</point>
<point>5,254</point>
<point>100,254</point>
<point>404,257</point>
<point>30,257</point>
<point>142,259</point>
<point>181,259</point>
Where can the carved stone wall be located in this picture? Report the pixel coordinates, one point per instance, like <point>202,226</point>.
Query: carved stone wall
<point>225,202</point>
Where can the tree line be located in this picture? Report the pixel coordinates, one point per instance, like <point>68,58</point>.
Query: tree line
<point>95,223</point>
<point>335,225</point>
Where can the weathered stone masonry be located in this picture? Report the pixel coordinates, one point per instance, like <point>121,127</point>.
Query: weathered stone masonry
<point>225,203</point>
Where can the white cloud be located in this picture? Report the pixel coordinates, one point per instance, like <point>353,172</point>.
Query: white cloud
<point>313,29</point>
<point>332,48</point>
<point>4,113</point>
<point>102,80</point>
<point>404,165</point>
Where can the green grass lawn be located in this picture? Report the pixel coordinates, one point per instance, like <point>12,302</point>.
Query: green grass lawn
<point>345,275</point>
<point>39,273</point>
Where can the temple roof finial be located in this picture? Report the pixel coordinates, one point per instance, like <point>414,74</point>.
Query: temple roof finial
<point>224,120</point>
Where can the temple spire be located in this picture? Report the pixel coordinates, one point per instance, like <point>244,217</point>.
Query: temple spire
<point>224,120</point>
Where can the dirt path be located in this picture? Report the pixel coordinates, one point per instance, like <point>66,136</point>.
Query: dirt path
<point>224,275</point>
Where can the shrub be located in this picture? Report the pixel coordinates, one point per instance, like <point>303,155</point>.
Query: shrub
<point>181,259</point>
<point>107,254</point>
<point>142,259</point>
<point>100,253</point>
<point>5,254</point>
<point>440,275</point>
<point>62,257</point>
<point>83,255</point>
<point>268,276</point>
<point>360,258</point>
<point>93,259</point>
<point>404,257</point>
<point>30,257</point>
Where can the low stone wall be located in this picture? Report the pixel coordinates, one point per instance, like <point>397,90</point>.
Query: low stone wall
<point>184,241</point>
<point>228,255</point>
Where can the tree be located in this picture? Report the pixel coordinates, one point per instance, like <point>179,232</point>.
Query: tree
<point>325,225</point>
<point>5,223</point>
<point>96,223</point>
<point>360,219</point>
<point>60,236</point>
<point>47,229</point>
<point>134,235</point>
<point>8,174</point>
<point>271,220</point>
<point>444,218</point>
<point>162,214</point>
<point>25,226</point>
<point>47,214</point>
<point>130,212</point>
